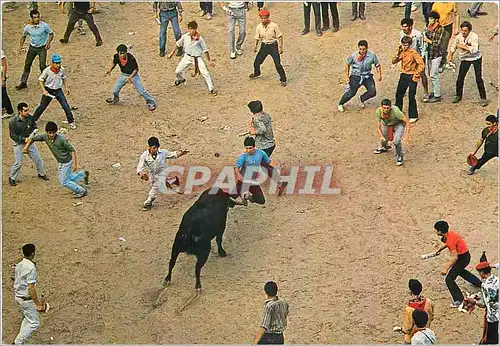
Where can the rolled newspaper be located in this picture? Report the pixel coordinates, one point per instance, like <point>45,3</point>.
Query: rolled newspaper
<point>429,255</point>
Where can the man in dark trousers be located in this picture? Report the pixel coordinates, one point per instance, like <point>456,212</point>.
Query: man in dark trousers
<point>307,17</point>
<point>335,16</point>
<point>358,10</point>
<point>271,38</point>
<point>459,260</point>
<point>82,10</point>
<point>489,137</point>
<point>274,320</point>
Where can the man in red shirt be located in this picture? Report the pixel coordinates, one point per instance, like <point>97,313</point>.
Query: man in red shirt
<point>460,258</point>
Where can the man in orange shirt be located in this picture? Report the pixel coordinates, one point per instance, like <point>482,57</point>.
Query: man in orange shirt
<point>460,258</point>
<point>449,19</point>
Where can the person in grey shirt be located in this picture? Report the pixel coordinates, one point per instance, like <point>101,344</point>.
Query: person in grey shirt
<point>422,335</point>
<point>261,127</point>
<point>358,72</point>
<point>21,127</point>
<point>65,155</point>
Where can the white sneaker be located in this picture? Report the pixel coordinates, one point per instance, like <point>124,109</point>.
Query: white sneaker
<point>361,103</point>
<point>413,120</point>
<point>72,126</point>
<point>202,13</point>
<point>233,55</point>
<point>239,52</point>
<point>341,108</point>
<point>209,16</point>
<point>7,115</point>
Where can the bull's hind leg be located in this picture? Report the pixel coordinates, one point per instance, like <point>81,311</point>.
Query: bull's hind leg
<point>171,264</point>
<point>201,257</point>
<point>220,249</point>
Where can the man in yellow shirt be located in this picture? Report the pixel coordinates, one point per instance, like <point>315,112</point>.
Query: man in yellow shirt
<point>449,19</point>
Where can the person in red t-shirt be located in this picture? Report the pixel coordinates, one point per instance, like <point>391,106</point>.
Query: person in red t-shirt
<point>460,258</point>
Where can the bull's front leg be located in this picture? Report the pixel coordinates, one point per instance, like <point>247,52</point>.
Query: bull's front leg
<point>201,260</point>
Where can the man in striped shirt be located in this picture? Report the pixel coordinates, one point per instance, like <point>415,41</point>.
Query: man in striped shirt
<point>274,319</point>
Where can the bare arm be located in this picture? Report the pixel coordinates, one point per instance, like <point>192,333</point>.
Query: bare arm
<point>111,67</point>
<point>406,132</point>
<point>347,70</point>
<point>34,296</point>
<point>441,248</point>
<point>280,44</point>
<point>21,43</point>
<point>379,72</point>
<point>260,334</point>
<point>237,174</point>
<point>51,37</point>
<point>75,162</point>
<point>256,45</point>
<point>379,131</point>
<point>42,86</point>
<point>450,262</point>
<point>4,71</point>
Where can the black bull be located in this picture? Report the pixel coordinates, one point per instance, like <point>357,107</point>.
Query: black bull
<point>203,221</point>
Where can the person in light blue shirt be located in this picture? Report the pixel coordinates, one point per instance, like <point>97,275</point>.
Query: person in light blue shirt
<point>41,36</point>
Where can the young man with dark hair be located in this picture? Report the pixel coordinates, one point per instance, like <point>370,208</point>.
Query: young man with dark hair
<point>434,37</point>
<point>41,36</point>
<point>261,126</point>
<point>168,11</point>
<point>82,10</point>
<point>392,122</point>
<point>51,81</point>
<point>412,66</point>
<point>489,301</point>
<point>154,161</point>
<point>467,43</point>
<point>194,47</point>
<point>358,72</point>
<point>25,294</point>
<point>275,316</point>
<point>21,127</point>
<point>459,260</point>
<point>417,302</point>
<point>317,17</point>
<point>489,136</point>
<point>269,35</point>
<point>417,43</point>
<point>422,335</point>
<point>129,74</point>
<point>65,155</point>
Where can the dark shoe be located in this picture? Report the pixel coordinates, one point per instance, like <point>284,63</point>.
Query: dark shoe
<point>457,99</point>
<point>362,15</point>
<point>318,32</point>
<point>484,102</point>
<point>380,150</point>
<point>354,16</point>
<point>21,86</point>
<point>43,177</point>
<point>12,182</point>
<point>325,28</point>
<point>152,107</point>
<point>253,75</point>
<point>213,92</point>
<point>435,99</point>
<point>86,178</point>
<point>305,32</point>
<point>179,82</point>
<point>62,40</point>
<point>147,206</point>
<point>162,54</point>
<point>481,13</point>
<point>335,29</point>
<point>399,160</point>
<point>98,43</point>
<point>111,100</point>
<point>283,83</point>
<point>471,170</point>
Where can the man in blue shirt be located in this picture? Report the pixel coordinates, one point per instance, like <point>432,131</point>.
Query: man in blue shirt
<point>254,157</point>
<point>40,36</point>
<point>358,72</point>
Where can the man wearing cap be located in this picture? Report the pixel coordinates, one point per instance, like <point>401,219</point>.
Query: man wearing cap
<point>417,302</point>
<point>261,126</point>
<point>154,160</point>
<point>26,295</point>
<point>82,10</point>
<point>489,301</point>
<point>391,122</point>
<point>51,81</point>
<point>459,260</point>
<point>194,47</point>
<point>271,38</point>
<point>41,36</point>
<point>489,137</point>
<point>130,74</point>
<point>237,12</point>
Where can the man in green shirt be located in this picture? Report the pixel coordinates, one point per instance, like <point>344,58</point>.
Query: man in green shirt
<point>65,155</point>
<point>391,120</point>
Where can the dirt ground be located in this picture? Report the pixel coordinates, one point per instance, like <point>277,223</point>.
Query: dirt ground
<point>342,262</point>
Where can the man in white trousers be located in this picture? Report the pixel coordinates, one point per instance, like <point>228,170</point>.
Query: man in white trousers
<point>25,294</point>
<point>154,160</point>
<point>194,47</point>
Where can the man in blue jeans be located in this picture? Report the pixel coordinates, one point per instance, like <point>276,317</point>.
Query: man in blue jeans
<point>165,12</point>
<point>65,155</point>
<point>358,72</point>
<point>130,74</point>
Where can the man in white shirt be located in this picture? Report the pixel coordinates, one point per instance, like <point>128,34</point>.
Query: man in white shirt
<point>237,12</point>
<point>194,47</point>
<point>26,295</point>
<point>154,160</point>
<point>422,335</point>
<point>467,43</point>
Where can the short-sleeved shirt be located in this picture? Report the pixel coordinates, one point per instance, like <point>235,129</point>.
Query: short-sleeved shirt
<point>395,116</point>
<point>269,33</point>
<point>194,48</point>
<point>445,9</point>
<point>129,66</point>
<point>275,315</point>
<point>25,275</point>
<point>255,159</point>
<point>51,79</point>
<point>363,67</point>
<point>39,34</point>
<point>455,242</point>
<point>60,147</point>
<point>491,142</point>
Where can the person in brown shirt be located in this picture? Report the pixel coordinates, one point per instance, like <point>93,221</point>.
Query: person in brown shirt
<point>271,38</point>
<point>418,302</point>
<point>412,65</point>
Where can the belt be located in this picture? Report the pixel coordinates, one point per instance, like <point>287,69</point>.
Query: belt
<point>25,298</point>
<point>270,44</point>
<point>196,67</point>
<point>274,333</point>
<point>236,8</point>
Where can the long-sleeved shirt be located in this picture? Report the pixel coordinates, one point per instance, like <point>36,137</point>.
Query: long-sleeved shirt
<point>489,298</point>
<point>264,136</point>
<point>159,6</point>
<point>472,41</point>
<point>411,62</point>
<point>417,40</point>
<point>157,164</point>
<point>436,49</point>
<point>20,129</point>
<point>60,146</point>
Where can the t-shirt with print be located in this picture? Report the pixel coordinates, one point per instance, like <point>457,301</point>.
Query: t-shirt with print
<point>455,242</point>
<point>129,66</point>
<point>255,159</point>
<point>395,116</point>
<point>491,142</point>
